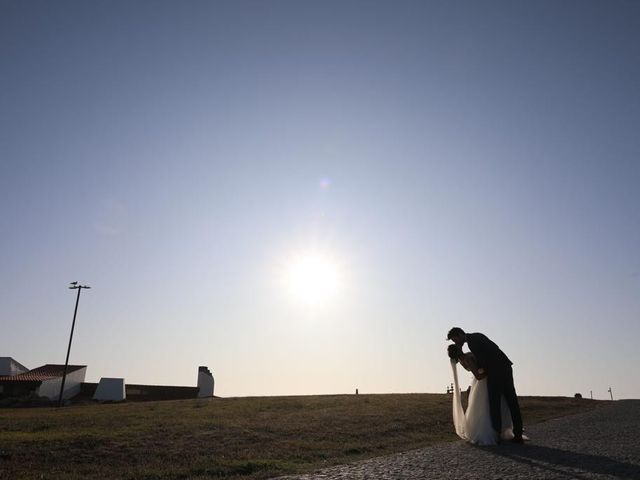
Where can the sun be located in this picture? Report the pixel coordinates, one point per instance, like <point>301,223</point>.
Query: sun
<point>313,278</point>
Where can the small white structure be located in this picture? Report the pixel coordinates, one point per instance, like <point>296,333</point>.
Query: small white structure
<point>10,367</point>
<point>205,382</point>
<point>110,390</point>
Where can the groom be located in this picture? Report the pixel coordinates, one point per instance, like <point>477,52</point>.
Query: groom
<point>499,377</point>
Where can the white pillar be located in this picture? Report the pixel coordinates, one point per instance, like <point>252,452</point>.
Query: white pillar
<point>205,382</point>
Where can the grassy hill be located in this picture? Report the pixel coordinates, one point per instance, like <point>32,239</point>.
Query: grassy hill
<point>255,437</point>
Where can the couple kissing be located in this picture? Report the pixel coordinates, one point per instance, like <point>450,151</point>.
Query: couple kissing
<point>493,412</point>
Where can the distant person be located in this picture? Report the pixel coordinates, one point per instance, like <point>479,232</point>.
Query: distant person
<point>493,412</point>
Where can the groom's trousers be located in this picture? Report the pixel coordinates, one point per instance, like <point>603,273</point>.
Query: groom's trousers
<point>500,383</point>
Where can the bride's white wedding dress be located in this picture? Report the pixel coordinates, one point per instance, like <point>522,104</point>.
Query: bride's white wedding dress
<point>474,425</point>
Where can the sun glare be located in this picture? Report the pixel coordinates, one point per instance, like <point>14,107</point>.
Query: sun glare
<point>313,279</point>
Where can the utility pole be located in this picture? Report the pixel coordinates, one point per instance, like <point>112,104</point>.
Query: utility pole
<point>73,286</point>
<point>610,393</point>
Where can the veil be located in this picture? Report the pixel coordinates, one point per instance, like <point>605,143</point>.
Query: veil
<point>459,421</point>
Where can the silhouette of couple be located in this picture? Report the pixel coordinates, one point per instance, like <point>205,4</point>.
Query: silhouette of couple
<point>493,412</point>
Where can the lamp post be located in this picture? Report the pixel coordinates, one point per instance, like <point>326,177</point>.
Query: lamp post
<point>73,286</point>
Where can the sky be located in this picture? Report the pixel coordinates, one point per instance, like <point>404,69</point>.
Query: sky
<point>463,163</point>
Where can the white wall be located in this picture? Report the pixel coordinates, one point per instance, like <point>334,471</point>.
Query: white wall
<point>51,388</point>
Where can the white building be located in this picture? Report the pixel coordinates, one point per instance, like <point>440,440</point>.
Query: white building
<point>10,367</point>
<point>44,381</point>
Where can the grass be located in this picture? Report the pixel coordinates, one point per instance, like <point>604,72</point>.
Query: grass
<point>256,437</point>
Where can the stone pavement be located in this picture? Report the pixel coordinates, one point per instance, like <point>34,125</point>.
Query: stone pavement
<point>600,444</point>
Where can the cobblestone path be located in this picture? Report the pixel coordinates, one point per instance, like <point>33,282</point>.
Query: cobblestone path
<point>600,444</point>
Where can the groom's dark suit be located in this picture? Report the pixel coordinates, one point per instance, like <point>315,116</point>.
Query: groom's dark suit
<point>499,379</point>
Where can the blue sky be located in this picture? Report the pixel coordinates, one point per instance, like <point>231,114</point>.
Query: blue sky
<point>461,163</point>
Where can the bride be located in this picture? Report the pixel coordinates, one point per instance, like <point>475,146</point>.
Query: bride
<point>474,425</point>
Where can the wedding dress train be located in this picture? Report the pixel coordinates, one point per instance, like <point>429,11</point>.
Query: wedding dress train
<point>474,425</point>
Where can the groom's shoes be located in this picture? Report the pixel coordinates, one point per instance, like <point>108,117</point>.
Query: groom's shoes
<point>517,439</point>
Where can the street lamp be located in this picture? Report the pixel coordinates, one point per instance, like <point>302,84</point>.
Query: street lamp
<point>73,286</point>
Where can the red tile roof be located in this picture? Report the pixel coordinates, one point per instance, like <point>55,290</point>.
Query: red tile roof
<point>39,374</point>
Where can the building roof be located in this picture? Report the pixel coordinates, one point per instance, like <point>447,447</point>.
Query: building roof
<point>39,374</point>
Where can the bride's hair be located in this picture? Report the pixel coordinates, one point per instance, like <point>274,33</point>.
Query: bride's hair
<point>454,352</point>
